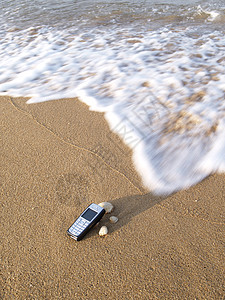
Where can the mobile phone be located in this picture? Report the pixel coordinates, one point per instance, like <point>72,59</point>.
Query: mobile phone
<point>89,217</point>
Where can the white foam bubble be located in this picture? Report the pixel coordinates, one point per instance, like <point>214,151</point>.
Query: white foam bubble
<point>161,91</point>
<point>211,15</point>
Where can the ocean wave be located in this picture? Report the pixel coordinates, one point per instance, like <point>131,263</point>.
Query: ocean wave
<point>88,14</point>
<point>164,87</point>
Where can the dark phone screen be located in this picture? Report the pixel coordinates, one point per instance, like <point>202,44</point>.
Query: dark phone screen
<point>89,214</point>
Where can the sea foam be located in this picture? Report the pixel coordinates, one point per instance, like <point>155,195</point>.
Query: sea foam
<point>162,91</point>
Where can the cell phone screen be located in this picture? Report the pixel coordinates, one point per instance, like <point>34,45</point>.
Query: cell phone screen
<point>89,214</point>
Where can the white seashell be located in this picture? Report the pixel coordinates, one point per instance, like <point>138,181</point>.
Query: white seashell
<point>113,219</point>
<point>107,206</point>
<point>103,231</point>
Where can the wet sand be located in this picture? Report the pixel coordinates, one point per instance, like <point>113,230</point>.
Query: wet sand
<point>57,158</point>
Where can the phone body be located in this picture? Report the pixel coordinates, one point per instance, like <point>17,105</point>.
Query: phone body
<point>88,218</point>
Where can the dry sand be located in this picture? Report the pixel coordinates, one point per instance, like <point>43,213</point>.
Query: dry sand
<point>161,248</point>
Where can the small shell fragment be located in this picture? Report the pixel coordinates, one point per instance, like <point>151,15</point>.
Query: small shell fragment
<point>107,206</point>
<point>103,231</point>
<point>113,219</point>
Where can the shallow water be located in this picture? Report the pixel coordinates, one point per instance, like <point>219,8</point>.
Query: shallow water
<point>157,70</point>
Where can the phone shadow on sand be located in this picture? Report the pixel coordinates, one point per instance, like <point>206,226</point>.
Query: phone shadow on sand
<point>125,209</point>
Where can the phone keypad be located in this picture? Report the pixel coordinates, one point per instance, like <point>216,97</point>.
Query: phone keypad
<point>78,226</point>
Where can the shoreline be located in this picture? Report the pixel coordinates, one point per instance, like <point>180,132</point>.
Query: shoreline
<point>58,157</point>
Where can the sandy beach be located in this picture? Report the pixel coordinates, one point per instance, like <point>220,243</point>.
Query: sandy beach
<point>57,158</point>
